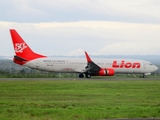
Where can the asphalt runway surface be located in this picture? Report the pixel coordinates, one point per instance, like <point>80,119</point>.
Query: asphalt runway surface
<point>80,79</point>
<point>134,119</point>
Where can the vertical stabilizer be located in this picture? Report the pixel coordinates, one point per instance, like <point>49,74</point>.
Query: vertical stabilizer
<point>22,50</point>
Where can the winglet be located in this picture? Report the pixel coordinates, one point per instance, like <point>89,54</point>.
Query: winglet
<point>87,57</point>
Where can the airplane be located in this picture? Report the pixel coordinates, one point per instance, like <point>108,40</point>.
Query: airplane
<point>83,66</point>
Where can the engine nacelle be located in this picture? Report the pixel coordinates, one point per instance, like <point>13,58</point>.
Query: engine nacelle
<point>106,72</point>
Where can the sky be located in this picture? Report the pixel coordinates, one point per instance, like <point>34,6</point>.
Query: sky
<point>70,27</point>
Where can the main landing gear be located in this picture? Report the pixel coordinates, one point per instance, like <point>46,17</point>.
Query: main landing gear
<point>143,76</point>
<point>81,75</point>
<point>88,75</point>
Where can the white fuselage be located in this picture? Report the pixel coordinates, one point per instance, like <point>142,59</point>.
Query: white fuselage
<point>77,65</point>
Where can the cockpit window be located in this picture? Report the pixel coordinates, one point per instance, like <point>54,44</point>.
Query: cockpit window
<point>150,63</point>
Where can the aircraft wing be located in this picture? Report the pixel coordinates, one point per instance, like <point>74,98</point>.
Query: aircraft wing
<point>91,66</point>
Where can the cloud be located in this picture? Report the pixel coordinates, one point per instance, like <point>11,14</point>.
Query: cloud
<point>67,27</point>
<point>76,52</point>
<point>95,37</point>
<point>130,48</point>
<point>35,11</point>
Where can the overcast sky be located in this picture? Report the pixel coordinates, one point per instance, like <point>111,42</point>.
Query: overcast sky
<point>70,27</point>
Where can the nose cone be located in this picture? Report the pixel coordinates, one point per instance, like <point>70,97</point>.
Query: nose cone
<point>155,68</point>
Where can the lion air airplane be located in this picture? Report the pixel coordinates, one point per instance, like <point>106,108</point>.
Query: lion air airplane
<point>100,67</point>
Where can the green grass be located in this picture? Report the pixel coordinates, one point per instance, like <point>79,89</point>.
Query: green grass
<point>79,99</point>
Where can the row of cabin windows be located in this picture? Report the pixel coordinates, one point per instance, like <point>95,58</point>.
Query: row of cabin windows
<point>54,63</point>
<point>96,63</point>
<point>75,63</point>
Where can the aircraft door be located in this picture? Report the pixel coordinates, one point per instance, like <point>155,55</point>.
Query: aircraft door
<point>131,71</point>
<point>67,63</point>
<point>144,66</point>
<point>37,64</point>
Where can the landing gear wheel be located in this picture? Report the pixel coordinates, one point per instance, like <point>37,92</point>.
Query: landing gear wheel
<point>144,76</point>
<point>88,75</point>
<point>81,75</point>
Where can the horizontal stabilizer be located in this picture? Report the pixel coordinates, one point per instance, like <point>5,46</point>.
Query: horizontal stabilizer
<point>19,58</point>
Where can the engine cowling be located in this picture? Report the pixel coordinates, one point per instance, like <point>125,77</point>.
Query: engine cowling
<point>106,72</point>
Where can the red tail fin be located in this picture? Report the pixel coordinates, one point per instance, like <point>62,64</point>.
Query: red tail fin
<point>22,50</point>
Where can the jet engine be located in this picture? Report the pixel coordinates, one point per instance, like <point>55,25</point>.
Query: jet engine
<point>106,72</point>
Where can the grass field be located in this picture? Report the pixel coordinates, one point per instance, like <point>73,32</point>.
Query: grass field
<point>78,99</point>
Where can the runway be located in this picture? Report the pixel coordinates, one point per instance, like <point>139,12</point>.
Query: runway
<point>81,79</point>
